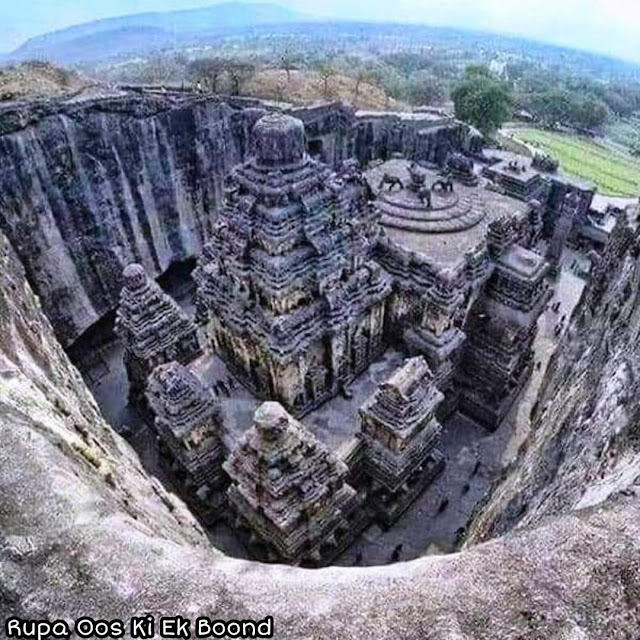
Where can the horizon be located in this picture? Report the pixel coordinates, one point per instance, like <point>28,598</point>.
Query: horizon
<point>583,25</point>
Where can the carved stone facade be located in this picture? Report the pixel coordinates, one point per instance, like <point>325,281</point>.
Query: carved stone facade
<point>153,328</point>
<point>437,337</point>
<point>309,274</point>
<point>290,492</point>
<point>188,423</point>
<point>401,435</point>
<point>501,328</point>
<point>295,303</point>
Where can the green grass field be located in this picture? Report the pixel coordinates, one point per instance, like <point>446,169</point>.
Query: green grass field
<point>625,131</point>
<point>615,173</point>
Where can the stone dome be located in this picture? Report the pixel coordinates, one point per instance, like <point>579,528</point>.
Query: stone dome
<point>134,276</point>
<point>278,140</point>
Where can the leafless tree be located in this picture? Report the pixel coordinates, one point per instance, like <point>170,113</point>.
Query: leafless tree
<point>239,73</point>
<point>209,71</point>
<point>289,62</point>
<point>361,75</point>
<point>159,69</point>
<point>326,71</point>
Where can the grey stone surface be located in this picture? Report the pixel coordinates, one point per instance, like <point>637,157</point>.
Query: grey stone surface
<point>88,186</point>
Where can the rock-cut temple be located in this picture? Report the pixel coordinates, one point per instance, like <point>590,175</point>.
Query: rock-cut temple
<point>311,272</point>
<point>295,303</point>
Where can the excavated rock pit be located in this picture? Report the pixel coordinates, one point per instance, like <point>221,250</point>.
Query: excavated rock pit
<point>552,552</point>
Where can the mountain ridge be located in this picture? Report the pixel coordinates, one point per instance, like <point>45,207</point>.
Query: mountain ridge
<point>166,26</point>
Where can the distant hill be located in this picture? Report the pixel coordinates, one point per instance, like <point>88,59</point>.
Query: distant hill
<point>139,33</point>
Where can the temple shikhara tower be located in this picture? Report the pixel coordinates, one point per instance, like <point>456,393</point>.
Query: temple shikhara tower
<point>290,491</point>
<point>401,436</point>
<point>295,303</point>
<point>153,328</point>
<point>188,423</point>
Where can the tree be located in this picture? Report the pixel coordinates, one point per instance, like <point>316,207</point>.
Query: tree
<point>289,62</point>
<point>424,88</point>
<point>360,75</point>
<point>209,70</point>
<point>593,113</point>
<point>239,73</point>
<point>159,69</point>
<point>326,71</point>
<point>482,101</point>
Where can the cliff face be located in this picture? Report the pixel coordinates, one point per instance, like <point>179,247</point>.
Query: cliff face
<point>54,439</point>
<point>87,188</point>
<point>585,439</point>
<point>84,531</point>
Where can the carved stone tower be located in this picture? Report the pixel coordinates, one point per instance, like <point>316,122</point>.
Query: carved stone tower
<point>189,427</point>
<point>289,491</point>
<point>401,435</point>
<point>436,337</point>
<point>501,328</point>
<point>295,304</point>
<point>153,328</point>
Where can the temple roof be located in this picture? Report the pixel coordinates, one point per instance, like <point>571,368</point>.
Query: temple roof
<point>456,223</point>
<point>278,141</point>
<point>524,263</point>
<point>406,399</point>
<point>148,320</point>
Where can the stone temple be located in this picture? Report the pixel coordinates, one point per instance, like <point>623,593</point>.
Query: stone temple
<point>313,273</point>
<point>290,491</point>
<point>295,303</point>
<point>187,421</point>
<point>153,329</point>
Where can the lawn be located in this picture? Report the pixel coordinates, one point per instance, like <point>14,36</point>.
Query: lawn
<point>615,173</point>
<point>625,131</point>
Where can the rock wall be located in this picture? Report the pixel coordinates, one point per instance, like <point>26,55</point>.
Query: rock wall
<point>413,135</point>
<point>84,531</point>
<point>88,187</point>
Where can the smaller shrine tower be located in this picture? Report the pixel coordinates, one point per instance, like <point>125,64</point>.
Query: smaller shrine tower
<point>187,420</point>
<point>153,328</point>
<point>401,436</point>
<point>289,491</point>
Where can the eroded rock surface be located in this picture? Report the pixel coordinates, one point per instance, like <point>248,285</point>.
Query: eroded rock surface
<point>89,187</point>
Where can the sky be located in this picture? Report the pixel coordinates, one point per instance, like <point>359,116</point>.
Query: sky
<point>606,26</point>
